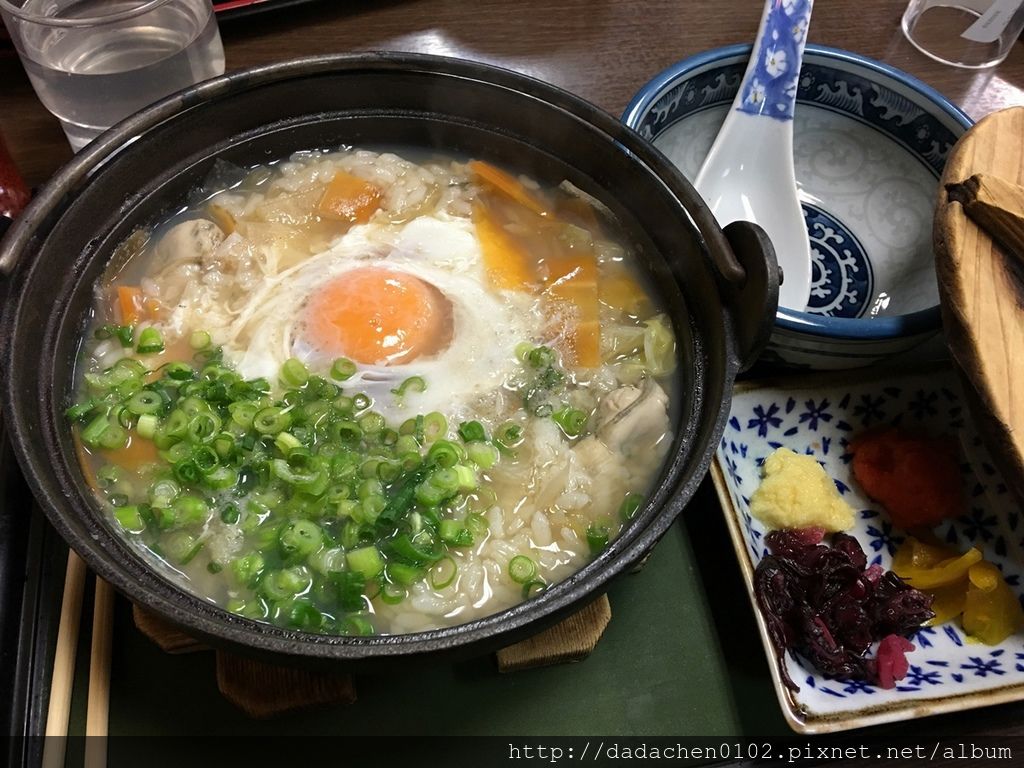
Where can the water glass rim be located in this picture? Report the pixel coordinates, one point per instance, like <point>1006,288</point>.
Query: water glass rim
<point>140,8</point>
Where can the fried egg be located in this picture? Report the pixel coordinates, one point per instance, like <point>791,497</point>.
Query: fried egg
<point>399,301</point>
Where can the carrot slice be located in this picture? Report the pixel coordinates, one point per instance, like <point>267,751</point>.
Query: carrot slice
<point>508,265</point>
<point>129,301</point>
<point>621,292</point>
<point>573,280</point>
<point>507,185</point>
<point>349,198</point>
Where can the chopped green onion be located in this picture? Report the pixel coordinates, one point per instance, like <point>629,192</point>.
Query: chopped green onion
<point>147,425</point>
<point>144,401</point>
<point>571,420</point>
<point>230,514</point>
<point>129,518</point>
<point>285,583</point>
<point>407,444</point>
<point>447,479</point>
<point>242,414</point>
<point>300,538</point>
<point>454,533</point>
<point>357,625</point>
<point>272,420</point>
<point>418,552</point>
<point>247,569</point>
<point>445,454</point>
<point>484,455</point>
<point>294,372</point>
<point>102,432</point>
<point>347,432</point>
<point>597,538</point>
<point>199,340</point>
<point>508,435</point>
<point>124,333</point>
<point>466,477</point>
<point>533,588</point>
<point>541,357</point>
<point>179,371</point>
<point>287,442</point>
<point>343,369</point>
<point>630,505</point>
<point>429,494</point>
<point>163,493</point>
<point>221,478</point>
<point>443,573</point>
<point>403,574</point>
<point>80,410</point>
<point>361,402</point>
<point>521,569</point>
<point>413,383</point>
<point>477,525</point>
<point>470,431</point>
<point>327,560</point>
<point>366,561</point>
<point>393,594</point>
<point>189,510</point>
<point>435,426</point>
<point>371,423</point>
<point>181,546</point>
<point>150,342</point>
<point>522,350</point>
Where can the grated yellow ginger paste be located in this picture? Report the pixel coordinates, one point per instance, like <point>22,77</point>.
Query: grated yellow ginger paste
<point>796,493</point>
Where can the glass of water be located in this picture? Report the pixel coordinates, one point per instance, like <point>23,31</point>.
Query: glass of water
<point>94,62</point>
<point>965,33</point>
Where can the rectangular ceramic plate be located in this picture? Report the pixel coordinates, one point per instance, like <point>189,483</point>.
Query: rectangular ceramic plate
<point>818,416</point>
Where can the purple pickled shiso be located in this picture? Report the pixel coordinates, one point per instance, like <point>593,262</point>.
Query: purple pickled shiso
<point>825,603</point>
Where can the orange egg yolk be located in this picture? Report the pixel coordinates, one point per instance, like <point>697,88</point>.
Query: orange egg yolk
<point>378,316</point>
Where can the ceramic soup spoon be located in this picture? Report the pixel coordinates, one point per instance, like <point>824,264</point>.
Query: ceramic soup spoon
<point>748,174</point>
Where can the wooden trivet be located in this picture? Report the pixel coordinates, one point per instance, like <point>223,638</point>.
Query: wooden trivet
<point>981,286</point>
<point>572,639</point>
<point>263,690</point>
<point>166,635</point>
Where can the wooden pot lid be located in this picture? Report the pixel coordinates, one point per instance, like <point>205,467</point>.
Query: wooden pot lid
<point>981,288</point>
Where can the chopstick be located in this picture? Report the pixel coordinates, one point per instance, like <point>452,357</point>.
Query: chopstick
<point>98,709</point>
<point>63,678</point>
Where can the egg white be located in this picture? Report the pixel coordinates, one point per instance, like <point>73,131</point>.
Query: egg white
<point>444,252</point>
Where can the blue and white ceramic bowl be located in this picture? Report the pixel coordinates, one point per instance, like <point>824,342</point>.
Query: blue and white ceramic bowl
<point>870,143</point>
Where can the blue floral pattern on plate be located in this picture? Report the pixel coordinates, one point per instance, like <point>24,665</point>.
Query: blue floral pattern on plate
<point>821,421</point>
<point>770,84</point>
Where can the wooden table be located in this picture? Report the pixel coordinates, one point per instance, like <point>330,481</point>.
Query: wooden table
<point>603,50</point>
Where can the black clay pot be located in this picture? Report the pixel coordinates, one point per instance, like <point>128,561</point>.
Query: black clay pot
<point>720,288</point>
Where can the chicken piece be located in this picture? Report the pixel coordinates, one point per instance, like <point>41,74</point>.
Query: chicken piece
<point>634,420</point>
<point>609,479</point>
<point>632,433</point>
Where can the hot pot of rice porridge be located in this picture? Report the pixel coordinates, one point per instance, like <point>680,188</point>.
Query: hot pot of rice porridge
<point>361,358</point>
